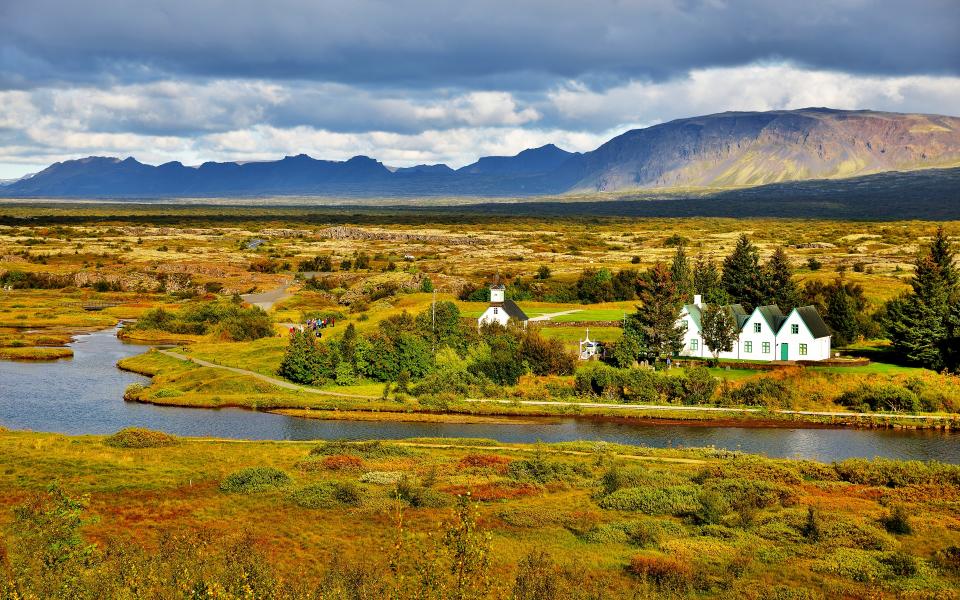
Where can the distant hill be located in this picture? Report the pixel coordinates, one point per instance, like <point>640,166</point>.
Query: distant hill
<point>733,150</point>
<point>529,162</point>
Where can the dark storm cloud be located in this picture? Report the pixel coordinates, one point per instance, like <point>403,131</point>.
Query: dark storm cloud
<point>501,44</point>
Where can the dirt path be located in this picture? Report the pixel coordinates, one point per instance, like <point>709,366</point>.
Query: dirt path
<point>266,300</point>
<point>613,407</point>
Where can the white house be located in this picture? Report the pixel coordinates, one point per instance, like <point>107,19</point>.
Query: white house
<point>765,334</point>
<point>502,310</point>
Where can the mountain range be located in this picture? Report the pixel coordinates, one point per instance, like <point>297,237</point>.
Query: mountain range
<point>725,150</point>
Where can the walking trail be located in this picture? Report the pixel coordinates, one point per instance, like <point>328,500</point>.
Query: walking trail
<point>266,300</point>
<point>624,407</point>
<point>549,316</point>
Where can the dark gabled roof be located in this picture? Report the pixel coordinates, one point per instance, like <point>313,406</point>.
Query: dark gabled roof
<point>739,315</point>
<point>773,316</point>
<point>695,314</point>
<point>813,321</point>
<point>511,308</point>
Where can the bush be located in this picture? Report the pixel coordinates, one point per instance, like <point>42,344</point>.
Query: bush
<point>662,571</point>
<point>368,450</point>
<point>494,462</point>
<point>895,473</point>
<point>539,470</point>
<point>255,479</point>
<point>342,462</point>
<point>133,391</point>
<point>698,386</point>
<point>231,321</point>
<point>134,437</point>
<point>381,477</point>
<point>419,496</point>
<point>672,500</point>
<point>883,397</point>
<point>764,391</point>
<point>327,495</point>
<point>898,521</point>
<point>948,559</point>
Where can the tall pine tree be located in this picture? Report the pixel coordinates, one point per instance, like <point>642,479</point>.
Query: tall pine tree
<point>706,282</point>
<point>681,274</point>
<point>921,322</point>
<point>658,312</point>
<point>781,289</point>
<point>841,315</point>
<point>742,278</point>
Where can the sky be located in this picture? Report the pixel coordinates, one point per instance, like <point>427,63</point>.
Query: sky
<point>440,81</point>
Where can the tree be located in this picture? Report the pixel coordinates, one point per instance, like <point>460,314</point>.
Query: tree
<point>742,278</point>
<point>595,285</point>
<point>658,311</point>
<point>781,289</point>
<point>300,361</point>
<point>841,315</point>
<point>706,282</point>
<point>426,285</point>
<point>924,324</point>
<point>543,272</point>
<point>441,325</point>
<point>680,272</point>
<point>719,329</point>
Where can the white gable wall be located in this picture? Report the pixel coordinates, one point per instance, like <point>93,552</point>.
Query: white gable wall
<point>494,314</point>
<point>692,335</point>
<point>817,348</point>
<point>754,340</point>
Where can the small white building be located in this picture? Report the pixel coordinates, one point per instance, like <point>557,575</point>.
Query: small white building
<point>590,348</point>
<point>765,334</point>
<point>501,310</point>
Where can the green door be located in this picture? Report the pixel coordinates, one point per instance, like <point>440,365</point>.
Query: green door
<point>783,352</point>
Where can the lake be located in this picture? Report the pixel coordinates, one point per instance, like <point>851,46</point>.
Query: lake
<point>84,395</point>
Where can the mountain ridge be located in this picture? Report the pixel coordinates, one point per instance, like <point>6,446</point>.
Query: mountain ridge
<point>723,150</point>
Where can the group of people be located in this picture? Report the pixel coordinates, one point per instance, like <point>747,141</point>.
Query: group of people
<point>314,325</point>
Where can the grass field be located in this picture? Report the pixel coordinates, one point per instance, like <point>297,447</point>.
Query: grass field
<point>382,520</point>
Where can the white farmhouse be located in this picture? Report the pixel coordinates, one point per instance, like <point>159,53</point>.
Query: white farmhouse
<point>502,310</point>
<point>765,334</point>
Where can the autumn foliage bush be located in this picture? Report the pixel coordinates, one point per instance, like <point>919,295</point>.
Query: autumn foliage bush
<point>342,462</point>
<point>662,571</point>
<point>135,437</point>
<point>494,462</point>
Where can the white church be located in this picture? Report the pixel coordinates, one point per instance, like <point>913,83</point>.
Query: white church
<point>765,334</point>
<point>502,310</point>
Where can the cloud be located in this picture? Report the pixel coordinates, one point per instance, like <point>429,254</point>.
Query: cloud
<point>484,44</point>
<point>239,119</point>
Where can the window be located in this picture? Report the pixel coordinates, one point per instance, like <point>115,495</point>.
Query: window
<point>748,347</point>
<point>803,349</point>
<point>756,327</point>
<point>794,329</point>
<point>496,310</point>
<point>694,344</point>
<point>766,347</point>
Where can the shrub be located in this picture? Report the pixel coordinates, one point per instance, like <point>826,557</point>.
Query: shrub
<point>135,437</point>
<point>671,500</point>
<point>368,450</point>
<point>133,391</point>
<point>539,470</point>
<point>327,495</point>
<point>901,564</point>
<point>255,479</point>
<point>496,490</point>
<point>884,397</point>
<point>381,477</point>
<point>763,391</point>
<point>662,571</point>
<point>712,508</point>
<point>494,462</point>
<point>342,462</point>
<point>894,473</point>
<point>948,559</point>
<point>698,386</point>
<point>419,496</point>
<point>898,521</point>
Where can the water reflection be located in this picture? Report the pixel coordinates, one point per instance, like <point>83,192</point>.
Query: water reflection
<point>84,395</point>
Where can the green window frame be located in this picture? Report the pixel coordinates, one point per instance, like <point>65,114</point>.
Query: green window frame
<point>748,347</point>
<point>694,344</point>
<point>803,349</point>
<point>794,329</point>
<point>756,328</point>
<point>766,347</point>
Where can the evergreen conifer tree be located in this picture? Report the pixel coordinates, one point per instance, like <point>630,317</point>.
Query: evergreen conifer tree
<point>706,282</point>
<point>742,279</point>
<point>781,289</point>
<point>841,315</point>
<point>658,312</point>
<point>681,274</point>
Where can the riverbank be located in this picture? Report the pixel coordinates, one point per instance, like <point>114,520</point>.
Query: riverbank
<point>615,521</point>
<point>248,389</point>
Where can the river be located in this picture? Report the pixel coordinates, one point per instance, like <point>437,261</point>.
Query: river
<point>84,395</point>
